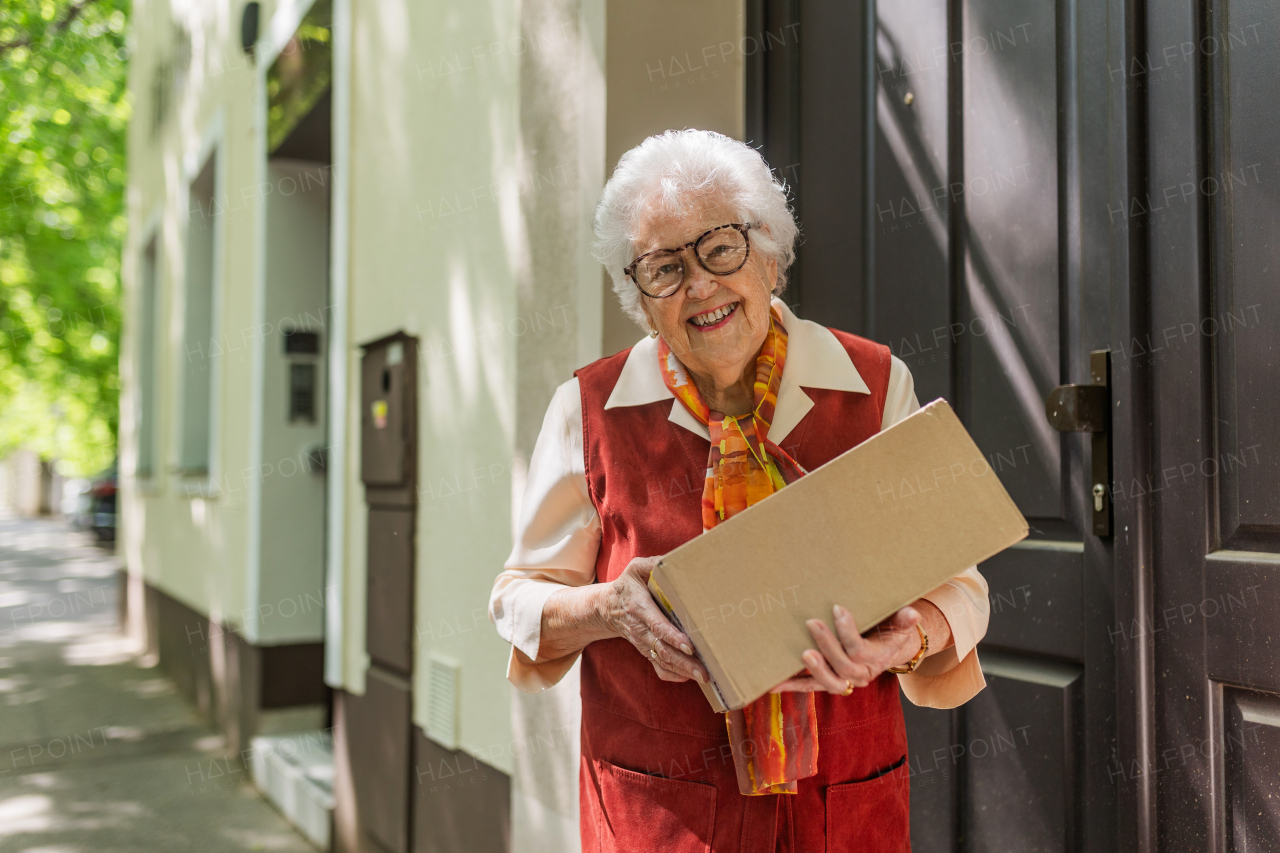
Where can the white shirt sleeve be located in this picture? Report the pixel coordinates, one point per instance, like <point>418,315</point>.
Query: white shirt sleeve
<point>556,542</point>
<point>953,676</point>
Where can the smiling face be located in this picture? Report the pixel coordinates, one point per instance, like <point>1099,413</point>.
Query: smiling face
<point>715,324</point>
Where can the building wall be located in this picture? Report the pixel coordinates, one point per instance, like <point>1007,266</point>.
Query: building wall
<point>440,248</point>
<point>479,140</point>
<point>29,486</point>
<point>287,558</point>
<point>665,77</point>
<point>228,617</point>
<point>563,121</point>
<point>193,93</point>
<point>650,85</point>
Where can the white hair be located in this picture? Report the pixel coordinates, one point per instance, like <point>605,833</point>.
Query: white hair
<point>680,170</point>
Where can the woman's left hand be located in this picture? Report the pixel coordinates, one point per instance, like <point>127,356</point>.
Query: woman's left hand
<point>846,657</point>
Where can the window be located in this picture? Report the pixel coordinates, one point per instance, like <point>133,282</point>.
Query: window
<point>197,326</point>
<point>145,371</point>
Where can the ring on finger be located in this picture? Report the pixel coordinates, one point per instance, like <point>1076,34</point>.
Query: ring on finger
<point>848,688</point>
<point>653,652</point>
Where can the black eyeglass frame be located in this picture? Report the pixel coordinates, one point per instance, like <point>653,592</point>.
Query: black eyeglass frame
<point>741,228</point>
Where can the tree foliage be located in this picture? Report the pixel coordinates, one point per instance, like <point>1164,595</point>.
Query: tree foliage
<point>63,87</point>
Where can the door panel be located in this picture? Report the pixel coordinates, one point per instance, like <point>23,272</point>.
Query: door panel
<point>1020,742</point>
<point>831,131</point>
<point>1216,492</point>
<point>377,727</point>
<point>1239,611</point>
<point>997,285</point>
<point>1251,753</point>
<point>1037,599</point>
<point>912,222</point>
<point>1247,212</point>
<point>933,773</point>
<point>1010,202</point>
<point>988,276</point>
<point>390,598</point>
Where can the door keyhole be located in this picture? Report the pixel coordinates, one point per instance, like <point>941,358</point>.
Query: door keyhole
<point>1098,491</point>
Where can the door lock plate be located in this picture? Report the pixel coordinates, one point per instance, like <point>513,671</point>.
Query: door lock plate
<point>1087,408</point>
<point>1078,408</point>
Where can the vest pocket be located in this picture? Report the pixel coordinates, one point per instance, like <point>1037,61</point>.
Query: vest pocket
<point>645,813</point>
<point>872,816</point>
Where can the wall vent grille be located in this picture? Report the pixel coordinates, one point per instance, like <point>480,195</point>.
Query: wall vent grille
<point>442,701</point>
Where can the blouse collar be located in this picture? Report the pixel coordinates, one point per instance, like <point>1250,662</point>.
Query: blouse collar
<point>815,359</point>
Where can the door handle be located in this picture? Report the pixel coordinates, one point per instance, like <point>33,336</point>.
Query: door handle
<point>1087,408</point>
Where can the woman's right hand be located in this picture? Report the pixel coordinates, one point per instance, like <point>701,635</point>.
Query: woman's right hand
<point>628,609</point>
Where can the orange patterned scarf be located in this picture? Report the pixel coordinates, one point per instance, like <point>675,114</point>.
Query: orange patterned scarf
<point>775,738</point>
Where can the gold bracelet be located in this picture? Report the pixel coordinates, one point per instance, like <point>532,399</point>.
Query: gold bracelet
<point>911,665</point>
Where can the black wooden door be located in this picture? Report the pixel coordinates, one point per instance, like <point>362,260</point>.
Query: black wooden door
<point>953,164</point>
<point>1211,766</point>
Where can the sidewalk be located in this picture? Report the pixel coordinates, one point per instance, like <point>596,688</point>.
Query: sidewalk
<point>96,752</point>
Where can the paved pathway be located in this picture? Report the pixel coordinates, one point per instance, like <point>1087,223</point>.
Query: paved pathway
<point>98,753</point>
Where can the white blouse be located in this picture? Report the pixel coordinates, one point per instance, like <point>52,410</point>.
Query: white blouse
<point>558,534</point>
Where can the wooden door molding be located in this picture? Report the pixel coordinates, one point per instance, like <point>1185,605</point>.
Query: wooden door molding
<point>1213,255</point>
<point>1133,542</point>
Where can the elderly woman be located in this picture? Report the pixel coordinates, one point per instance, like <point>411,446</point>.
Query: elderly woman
<point>729,398</point>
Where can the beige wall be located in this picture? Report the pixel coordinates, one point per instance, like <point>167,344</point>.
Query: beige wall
<point>480,136</point>
<point>437,244</point>
<point>474,173</point>
<point>671,65</point>
<point>476,154</point>
<point>649,87</point>
<point>562,121</point>
<point>187,536</point>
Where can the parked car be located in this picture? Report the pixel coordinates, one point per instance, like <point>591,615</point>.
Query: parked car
<point>102,504</point>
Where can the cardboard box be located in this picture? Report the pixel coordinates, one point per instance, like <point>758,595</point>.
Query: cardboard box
<point>873,530</point>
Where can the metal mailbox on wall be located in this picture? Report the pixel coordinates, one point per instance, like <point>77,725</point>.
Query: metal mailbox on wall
<point>379,727</point>
<point>388,462</point>
<point>389,396</point>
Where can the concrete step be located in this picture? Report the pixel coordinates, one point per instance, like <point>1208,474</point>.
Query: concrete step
<point>295,772</point>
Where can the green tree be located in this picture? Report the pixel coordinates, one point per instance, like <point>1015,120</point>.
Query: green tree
<point>63,87</point>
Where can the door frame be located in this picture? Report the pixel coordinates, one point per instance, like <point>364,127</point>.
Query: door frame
<point>1133,526</point>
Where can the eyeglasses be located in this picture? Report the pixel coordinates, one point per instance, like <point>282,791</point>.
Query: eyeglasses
<point>720,251</point>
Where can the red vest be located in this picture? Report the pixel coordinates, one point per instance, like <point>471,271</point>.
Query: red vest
<point>657,771</point>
